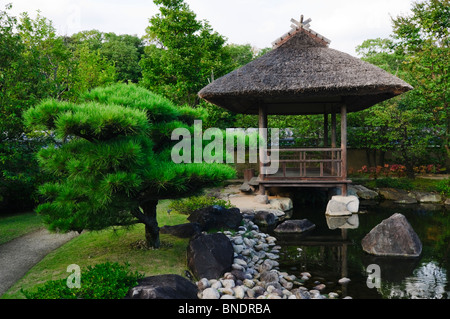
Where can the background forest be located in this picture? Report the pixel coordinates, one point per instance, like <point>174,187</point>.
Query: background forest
<point>180,54</point>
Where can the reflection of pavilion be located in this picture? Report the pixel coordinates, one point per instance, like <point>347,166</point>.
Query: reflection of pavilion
<point>334,245</point>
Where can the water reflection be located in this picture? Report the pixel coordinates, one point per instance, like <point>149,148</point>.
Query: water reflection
<point>333,250</point>
<point>427,282</point>
<point>343,222</point>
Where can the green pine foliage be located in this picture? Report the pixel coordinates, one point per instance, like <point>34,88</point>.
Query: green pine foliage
<point>112,156</point>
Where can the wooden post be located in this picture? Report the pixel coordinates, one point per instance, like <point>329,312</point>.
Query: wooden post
<point>262,123</point>
<point>325,155</point>
<point>344,147</point>
<point>333,142</point>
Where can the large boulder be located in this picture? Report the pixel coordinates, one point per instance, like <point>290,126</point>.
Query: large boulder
<point>264,218</point>
<point>295,226</point>
<point>423,197</point>
<point>217,217</point>
<point>210,256</point>
<point>395,237</point>
<point>399,196</point>
<point>342,205</point>
<point>163,287</point>
<point>362,192</point>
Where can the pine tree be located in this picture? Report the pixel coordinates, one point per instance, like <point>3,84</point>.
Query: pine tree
<point>112,159</point>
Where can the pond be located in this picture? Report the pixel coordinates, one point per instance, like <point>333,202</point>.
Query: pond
<point>329,253</point>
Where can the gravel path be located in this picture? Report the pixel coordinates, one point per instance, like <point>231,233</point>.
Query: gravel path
<point>21,254</point>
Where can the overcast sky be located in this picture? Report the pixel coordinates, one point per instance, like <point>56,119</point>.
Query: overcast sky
<point>347,23</point>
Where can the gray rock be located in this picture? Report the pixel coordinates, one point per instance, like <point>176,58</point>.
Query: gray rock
<point>294,226</point>
<point>394,236</point>
<point>203,283</point>
<point>320,287</point>
<point>397,195</point>
<point>344,281</point>
<point>239,292</point>
<point>264,218</point>
<point>337,208</point>
<point>302,294</point>
<point>217,217</point>
<point>363,192</point>
<point>342,205</point>
<point>210,256</point>
<point>423,197</point>
<point>210,293</point>
<point>164,287</point>
<point>269,276</point>
<point>246,188</point>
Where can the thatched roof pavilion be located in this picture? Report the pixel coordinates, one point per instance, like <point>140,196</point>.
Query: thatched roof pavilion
<point>302,75</point>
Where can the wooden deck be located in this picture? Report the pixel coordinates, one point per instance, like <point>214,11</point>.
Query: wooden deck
<point>307,167</point>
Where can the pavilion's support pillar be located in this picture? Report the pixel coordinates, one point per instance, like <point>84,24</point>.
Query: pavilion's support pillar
<point>333,129</point>
<point>344,147</point>
<point>325,130</point>
<point>333,143</point>
<point>262,123</point>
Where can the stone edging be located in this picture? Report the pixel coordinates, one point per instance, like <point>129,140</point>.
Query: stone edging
<point>255,273</point>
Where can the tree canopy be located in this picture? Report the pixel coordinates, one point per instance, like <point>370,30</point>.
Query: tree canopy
<point>184,53</point>
<point>415,125</point>
<point>112,163</point>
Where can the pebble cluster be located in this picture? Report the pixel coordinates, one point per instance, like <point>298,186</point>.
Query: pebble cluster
<point>255,273</point>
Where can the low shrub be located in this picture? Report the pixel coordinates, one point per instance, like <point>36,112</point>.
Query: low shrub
<point>102,281</point>
<point>400,183</point>
<point>189,205</point>
<point>443,187</point>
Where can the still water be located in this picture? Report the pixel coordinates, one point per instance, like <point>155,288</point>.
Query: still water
<point>329,253</point>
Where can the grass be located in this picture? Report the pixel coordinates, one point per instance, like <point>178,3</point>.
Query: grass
<point>17,225</point>
<point>114,245</point>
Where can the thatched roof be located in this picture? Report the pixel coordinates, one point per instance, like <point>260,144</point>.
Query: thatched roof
<point>302,75</point>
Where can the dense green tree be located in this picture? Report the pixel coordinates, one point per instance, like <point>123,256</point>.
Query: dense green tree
<point>25,77</point>
<point>122,51</point>
<point>183,53</point>
<point>35,63</point>
<point>88,69</point>
<point>113,162</point>
<point>415,125</point>
<point>423,37</point>
<point>125,52</point>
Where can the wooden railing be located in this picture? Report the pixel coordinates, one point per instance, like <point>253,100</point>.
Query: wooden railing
<point>307,163</point>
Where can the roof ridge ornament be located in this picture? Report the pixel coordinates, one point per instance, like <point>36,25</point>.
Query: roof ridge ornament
<point>295,27</point>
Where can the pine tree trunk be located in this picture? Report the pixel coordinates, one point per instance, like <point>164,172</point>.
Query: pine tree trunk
<point>151,224</point>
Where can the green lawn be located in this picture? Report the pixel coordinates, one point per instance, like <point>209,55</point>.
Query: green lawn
<point>17,225</point>
<point>114,245</point>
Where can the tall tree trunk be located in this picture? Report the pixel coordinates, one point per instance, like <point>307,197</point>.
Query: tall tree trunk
<point>151,227</point>
<point>148,218</point>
